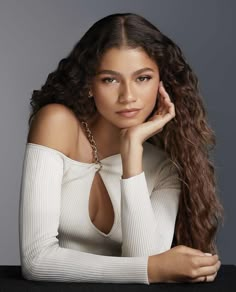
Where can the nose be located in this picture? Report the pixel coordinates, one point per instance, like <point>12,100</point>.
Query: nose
<point>126,95</point>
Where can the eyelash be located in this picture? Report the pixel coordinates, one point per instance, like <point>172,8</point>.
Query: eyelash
<point>147,78</point>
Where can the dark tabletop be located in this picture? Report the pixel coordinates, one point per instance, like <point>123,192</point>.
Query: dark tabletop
<point>11,280</point>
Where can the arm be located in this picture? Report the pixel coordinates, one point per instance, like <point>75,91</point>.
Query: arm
<point>42,258</point>
<point>148,221</point>
<point>148,224</point>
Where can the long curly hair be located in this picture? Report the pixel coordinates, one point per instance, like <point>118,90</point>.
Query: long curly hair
<point>187,138</point>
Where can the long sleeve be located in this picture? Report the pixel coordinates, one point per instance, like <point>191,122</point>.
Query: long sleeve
<point>42,258</point>
<point>148,221</point>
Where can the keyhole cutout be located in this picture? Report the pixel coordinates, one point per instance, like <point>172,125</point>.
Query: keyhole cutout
<point>101,210</point>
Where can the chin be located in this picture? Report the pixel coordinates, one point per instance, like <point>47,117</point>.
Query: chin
<point>127,123</point>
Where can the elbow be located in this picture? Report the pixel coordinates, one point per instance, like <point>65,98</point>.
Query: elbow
<point>31,267</point>
<point>34,264</point>
<point>28,271</point>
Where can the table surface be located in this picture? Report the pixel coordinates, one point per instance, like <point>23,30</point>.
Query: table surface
<point>11,280</point>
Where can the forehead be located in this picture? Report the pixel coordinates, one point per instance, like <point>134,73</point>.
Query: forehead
<point>126,60</point>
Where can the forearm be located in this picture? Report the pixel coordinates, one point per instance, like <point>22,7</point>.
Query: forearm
<point>135,204</point>
<point>139,225</point>
<point>148,219</point>
<point>131,156</point>
<point>42,257</point>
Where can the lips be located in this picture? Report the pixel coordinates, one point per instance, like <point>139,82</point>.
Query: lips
<point>129,110</point>
<point>129,113</point>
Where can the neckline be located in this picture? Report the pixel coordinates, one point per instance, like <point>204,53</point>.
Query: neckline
<point>68,158</point>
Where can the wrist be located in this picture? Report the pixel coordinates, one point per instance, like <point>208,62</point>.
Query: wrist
<point>132,160</point>
<point>130,148</point>
<point>154,273</point>
<point>150,269</point>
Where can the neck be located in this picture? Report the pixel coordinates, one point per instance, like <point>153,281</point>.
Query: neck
<point>106,136</point>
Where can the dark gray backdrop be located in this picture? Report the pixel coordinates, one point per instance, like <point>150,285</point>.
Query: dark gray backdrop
<point>35,35</point>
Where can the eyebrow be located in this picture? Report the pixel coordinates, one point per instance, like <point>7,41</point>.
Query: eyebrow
<point>117,73</point>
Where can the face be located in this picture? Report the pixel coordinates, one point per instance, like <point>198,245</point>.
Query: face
<point>126,78</point>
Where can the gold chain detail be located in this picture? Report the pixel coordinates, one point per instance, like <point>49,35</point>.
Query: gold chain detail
<point>93,144</point>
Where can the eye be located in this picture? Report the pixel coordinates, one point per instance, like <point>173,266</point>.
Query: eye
<point>144,78</point>
<point>108,80</point>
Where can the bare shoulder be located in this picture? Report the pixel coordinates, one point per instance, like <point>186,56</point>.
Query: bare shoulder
<point>54,126</point>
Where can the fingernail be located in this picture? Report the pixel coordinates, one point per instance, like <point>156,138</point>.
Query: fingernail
<point>208,254</point>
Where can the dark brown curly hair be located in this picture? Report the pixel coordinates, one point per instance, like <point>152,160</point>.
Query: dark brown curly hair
<point>187,138</point>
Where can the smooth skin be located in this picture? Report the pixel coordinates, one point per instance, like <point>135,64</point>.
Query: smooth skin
<point>126,78</point>
<point>183,264</point>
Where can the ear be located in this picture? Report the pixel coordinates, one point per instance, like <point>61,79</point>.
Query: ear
<point>90,93</point>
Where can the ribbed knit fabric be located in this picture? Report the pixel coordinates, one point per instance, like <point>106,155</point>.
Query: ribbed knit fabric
<point>58,241</point>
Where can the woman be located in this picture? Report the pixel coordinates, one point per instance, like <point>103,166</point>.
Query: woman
<point>117,185</point>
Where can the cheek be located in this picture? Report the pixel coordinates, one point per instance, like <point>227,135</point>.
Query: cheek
<point>150,95</point>
<point>104,92</point>
<point>104,102</point>
<point>105,97</point>
<point>150,89</point>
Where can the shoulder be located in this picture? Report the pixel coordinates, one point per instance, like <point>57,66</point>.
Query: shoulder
<point>54,126</point>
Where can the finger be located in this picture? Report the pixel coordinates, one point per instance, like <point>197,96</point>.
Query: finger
<point>192,251</point>
<point>169,112</point>
<point>166,112</point>
<point>163,92</point>
<point>166,106</point>
<point>208,270</point>
<point>160,108</point>
<point>209,278</point>
<point>163,100</point>
<point>205,260</point>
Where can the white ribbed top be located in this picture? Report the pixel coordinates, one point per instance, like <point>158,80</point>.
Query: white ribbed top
<point>58,241</point>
